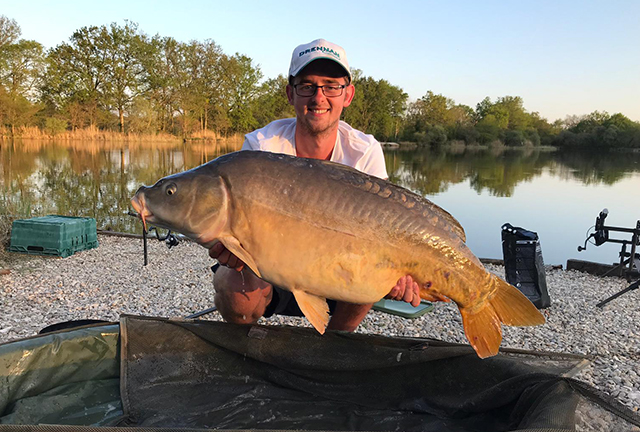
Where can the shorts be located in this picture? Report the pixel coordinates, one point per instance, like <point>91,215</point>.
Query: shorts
<point>283,302</point>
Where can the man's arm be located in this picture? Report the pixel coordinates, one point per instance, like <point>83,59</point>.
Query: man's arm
<point>348,316</point>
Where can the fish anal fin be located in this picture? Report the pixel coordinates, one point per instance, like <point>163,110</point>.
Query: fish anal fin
<point>513,307</point>
<point>314,307</point>
<point>483,330</point>
<point>236,248</point>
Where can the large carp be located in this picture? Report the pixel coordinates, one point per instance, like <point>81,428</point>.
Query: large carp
<point>323,230</point>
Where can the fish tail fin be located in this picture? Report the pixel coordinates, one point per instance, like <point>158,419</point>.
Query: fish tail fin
<point>507,305</point>
<point>513,307</point>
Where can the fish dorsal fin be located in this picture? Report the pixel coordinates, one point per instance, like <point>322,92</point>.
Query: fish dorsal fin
<point>236,248</point>
<point>314,307</point>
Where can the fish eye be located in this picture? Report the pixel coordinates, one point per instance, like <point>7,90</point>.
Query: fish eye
<point>171,189</point>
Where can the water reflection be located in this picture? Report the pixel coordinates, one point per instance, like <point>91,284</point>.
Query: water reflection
<point>86,179</point>
<point>499,170</point>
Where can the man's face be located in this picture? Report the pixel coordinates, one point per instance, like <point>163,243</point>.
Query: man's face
<point>319,114</point>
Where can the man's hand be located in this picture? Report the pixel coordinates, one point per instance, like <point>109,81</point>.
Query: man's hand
<point>407,290</point>
<point>225,257</point>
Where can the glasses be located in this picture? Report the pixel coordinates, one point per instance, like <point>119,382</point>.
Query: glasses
<point>329,90</point>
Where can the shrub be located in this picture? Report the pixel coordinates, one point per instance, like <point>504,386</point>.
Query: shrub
<point>53,125</point>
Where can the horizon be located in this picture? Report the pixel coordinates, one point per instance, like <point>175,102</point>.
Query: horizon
<point>566,59</point>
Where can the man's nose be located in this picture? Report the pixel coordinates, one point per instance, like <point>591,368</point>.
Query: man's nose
<point>318,95</point>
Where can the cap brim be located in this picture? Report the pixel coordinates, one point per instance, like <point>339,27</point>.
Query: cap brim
<point>301,68</point>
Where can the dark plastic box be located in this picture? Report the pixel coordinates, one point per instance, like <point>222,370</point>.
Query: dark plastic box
<point>53,235</point>
<point>523,264</point>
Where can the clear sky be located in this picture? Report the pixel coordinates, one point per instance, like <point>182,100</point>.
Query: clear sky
<point>562,57</point>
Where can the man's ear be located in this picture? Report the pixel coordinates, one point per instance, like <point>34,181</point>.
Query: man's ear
<point>289,94</point>
<point>349,93</point>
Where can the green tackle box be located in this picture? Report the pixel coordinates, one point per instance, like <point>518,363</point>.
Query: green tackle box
<point>53,235</point>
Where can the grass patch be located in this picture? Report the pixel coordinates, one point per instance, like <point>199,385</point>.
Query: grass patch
<point>5,236</point>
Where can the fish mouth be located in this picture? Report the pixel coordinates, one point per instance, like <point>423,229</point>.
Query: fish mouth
<point>141,208</point>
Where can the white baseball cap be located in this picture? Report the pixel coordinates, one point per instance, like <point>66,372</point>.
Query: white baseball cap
<point>315,50</point>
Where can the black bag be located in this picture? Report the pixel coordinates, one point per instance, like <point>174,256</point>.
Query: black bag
<point>523,264</point>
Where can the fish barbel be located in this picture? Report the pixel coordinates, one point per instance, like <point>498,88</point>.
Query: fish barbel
<point>324,230</point>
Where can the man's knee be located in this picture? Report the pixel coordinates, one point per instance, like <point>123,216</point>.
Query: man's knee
<point>241,297</point>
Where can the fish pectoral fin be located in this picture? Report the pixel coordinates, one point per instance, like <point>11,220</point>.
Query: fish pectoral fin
<point>314,307</point>
<point>236,248</point>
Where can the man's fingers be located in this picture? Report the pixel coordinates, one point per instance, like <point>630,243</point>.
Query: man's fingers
<point>393,293</point>
<point>415,301</point>
<point>216,250</point>
<point>235,262</point>
<point>223,257</point>
<point>408,290</point>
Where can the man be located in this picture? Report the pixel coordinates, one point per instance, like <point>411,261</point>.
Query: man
<point>319,89</point>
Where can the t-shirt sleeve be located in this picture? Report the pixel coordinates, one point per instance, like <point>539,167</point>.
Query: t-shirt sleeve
<point>250,142</point>
<point>374,162</point>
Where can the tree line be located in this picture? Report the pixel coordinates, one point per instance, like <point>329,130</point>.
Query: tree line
<point>117,78</point>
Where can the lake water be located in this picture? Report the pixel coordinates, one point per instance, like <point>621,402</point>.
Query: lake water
<point>556,194</point>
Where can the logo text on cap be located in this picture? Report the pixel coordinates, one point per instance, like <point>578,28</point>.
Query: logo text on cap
<point>319,48</point>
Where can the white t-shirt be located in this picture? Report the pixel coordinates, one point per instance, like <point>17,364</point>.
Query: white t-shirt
<point>354,148</point>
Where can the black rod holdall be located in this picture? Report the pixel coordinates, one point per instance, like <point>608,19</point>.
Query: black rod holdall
<point>523,264</point>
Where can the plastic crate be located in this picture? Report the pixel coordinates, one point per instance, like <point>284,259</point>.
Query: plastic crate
<point>53,235</point>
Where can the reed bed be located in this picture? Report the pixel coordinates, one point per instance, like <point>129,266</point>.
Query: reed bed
<point>106,136</point>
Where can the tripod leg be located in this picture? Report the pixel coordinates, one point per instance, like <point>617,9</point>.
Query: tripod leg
<point>618,294</point>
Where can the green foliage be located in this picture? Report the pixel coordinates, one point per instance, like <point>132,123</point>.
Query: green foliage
<point>53,125</point>
<point>489,129</point>
<point>599,129</point>
<point>514,138</point>
<point>271,101</point>
<point>377,107</point>
<point>431,111</point>
<point>9,31</point>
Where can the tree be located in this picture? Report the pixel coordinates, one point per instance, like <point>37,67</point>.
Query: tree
<point>9,31</point>
<point>240,91</point>
<point>21,65</point>
<point>160,62</point>
<point>271,102</point>
<point>121,48</point>
<point>76,74</point>
<point>377,107</point>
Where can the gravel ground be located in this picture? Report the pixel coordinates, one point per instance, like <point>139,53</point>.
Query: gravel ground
<point>110,280</point>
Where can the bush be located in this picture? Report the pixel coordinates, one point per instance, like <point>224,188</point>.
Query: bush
<point>533,137</point>
<point>53,125</point>
<point>437,135</point>
<point>514,138</point>
<point>468,134</point>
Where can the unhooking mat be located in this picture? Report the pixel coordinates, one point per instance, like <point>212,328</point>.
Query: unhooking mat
<point>201,374</point>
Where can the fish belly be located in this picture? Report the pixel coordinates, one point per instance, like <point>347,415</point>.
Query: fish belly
<point>294,253</point>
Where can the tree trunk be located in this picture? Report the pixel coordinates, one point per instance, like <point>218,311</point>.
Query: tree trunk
<point>121,115</point>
